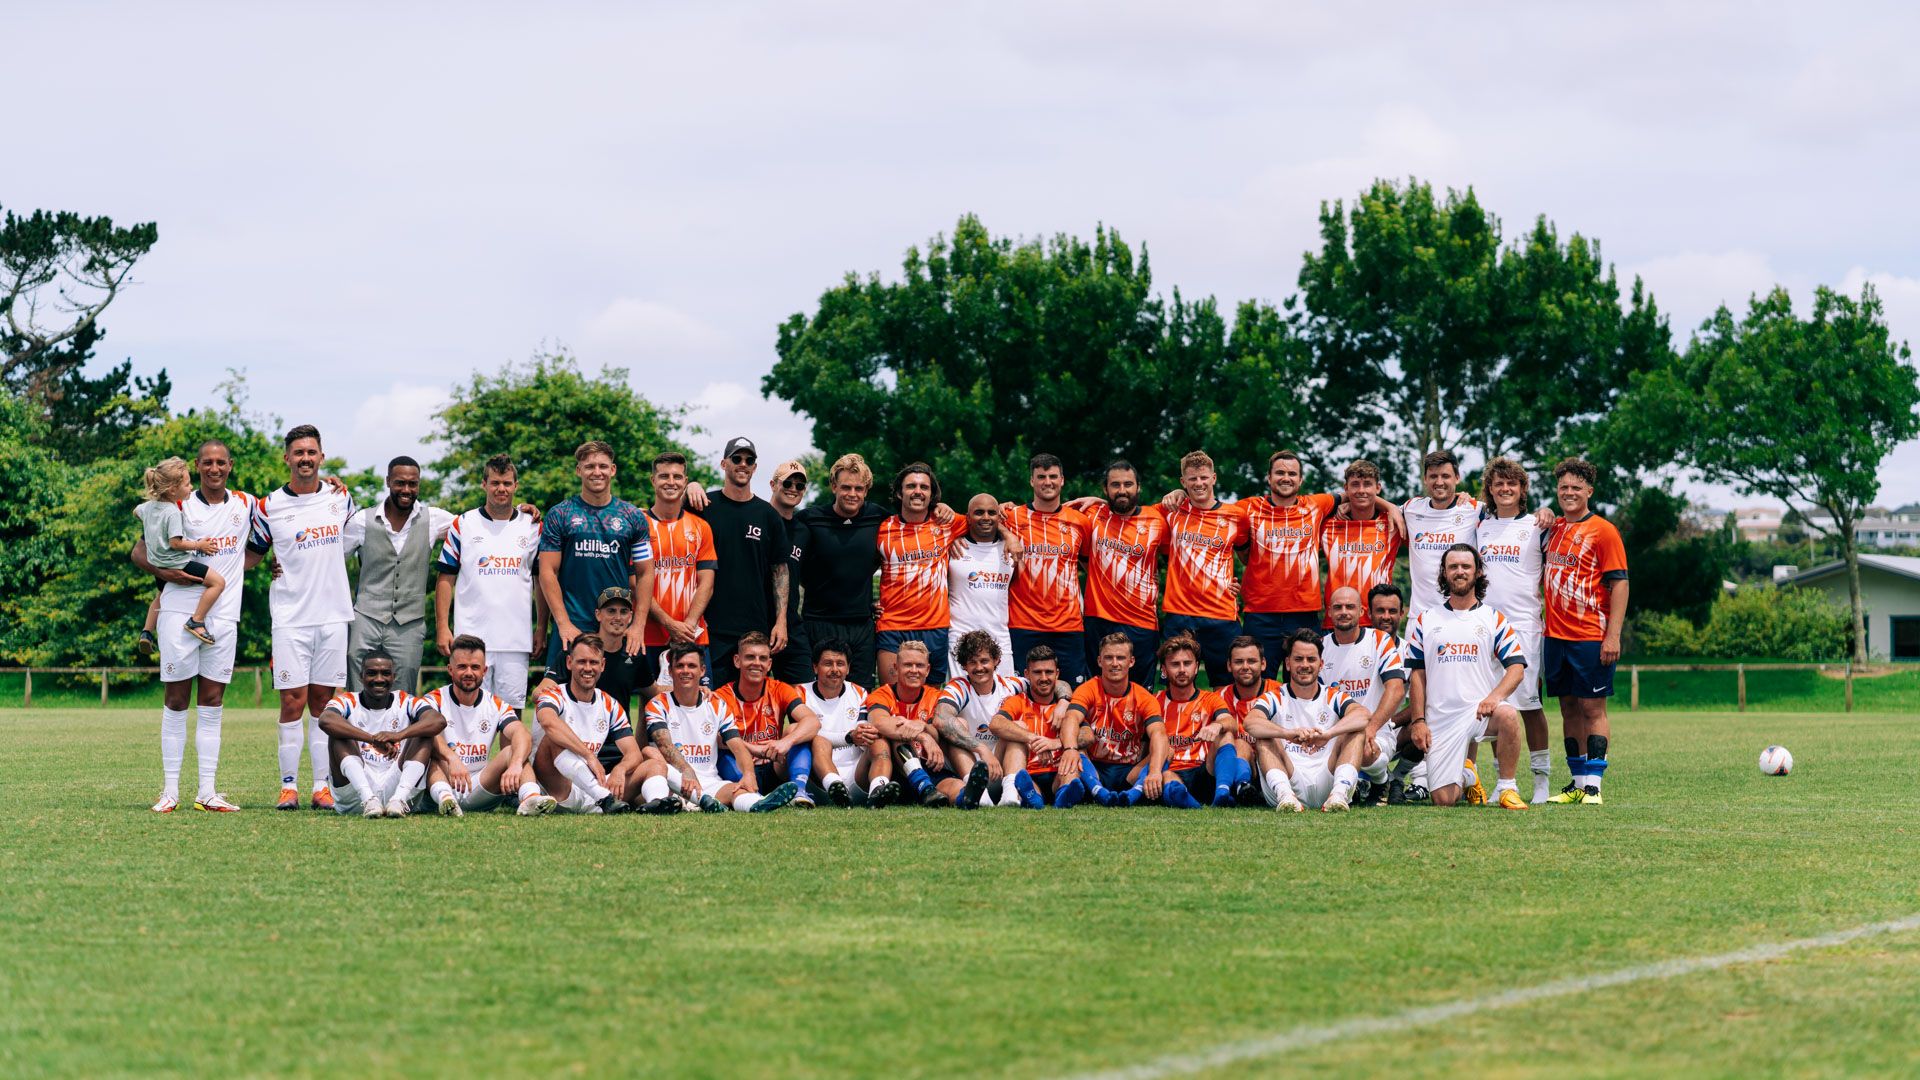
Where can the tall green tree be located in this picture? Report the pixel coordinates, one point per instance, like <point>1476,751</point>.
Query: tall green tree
<point>58,272</point>
<point>1802,410</point>
<point>988,350</point>
<point>1429,334</point>
<point>537,413</point>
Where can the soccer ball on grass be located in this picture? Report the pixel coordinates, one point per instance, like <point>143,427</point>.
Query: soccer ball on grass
<point>1776,761</point>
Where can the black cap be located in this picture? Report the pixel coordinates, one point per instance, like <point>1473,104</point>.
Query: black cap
<point>737,444</point>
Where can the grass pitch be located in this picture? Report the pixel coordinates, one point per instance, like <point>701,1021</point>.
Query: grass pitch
<point>911,942</point>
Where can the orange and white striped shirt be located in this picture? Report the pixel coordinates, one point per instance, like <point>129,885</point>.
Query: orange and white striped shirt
<point>763,718</point>
<point>1360,555</point>
<point>1200,545</point>
<point>1123,584</point>
<point>1045,596</point>
<point>1583,559</point>
<point>1283,553</point>
<point>681,549</point>
<point>1184,719</point>
<point>913,572</point>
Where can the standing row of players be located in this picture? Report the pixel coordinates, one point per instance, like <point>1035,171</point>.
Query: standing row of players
<point>1009,571</point>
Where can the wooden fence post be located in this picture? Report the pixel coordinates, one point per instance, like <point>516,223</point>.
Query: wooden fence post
<point>26,693</point>
<point>1740,682</point>
<point>1849,686</point>
<point>103,686</point>
<point>256,688</point>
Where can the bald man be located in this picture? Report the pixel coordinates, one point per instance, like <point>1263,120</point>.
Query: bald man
<point>980,569</point>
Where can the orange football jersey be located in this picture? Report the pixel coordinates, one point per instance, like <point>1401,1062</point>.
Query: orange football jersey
<point>1119,723</point>
<point>763,718</point>
<point>913,572</point>
<point>1360,555</point>
<point>681,549</point>
<point>1123,583</point>
<point>1045,596</point>
<point>1200,545</point>
<point>1283,553</point>
<point>888,698</point>
<point>1239,708</point>
<point>1583,559</point>
<point>1036,718</point>
<point>1184,719</point>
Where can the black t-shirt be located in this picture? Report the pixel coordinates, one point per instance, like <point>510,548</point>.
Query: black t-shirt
<point>750,539</point>
<point>793,576</point>
<point>838,557</point>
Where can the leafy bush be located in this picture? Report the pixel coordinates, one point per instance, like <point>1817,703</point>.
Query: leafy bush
<point>1782,623</point>
<point>1663,633</point>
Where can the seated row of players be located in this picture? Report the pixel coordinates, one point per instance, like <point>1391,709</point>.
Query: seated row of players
<point>983,740</point>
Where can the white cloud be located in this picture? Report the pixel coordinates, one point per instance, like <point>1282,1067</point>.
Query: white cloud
<point>390,424</point>
<point>1690,285</point>
<point>726,409</point>
<point>1899,297</point>
<point>636,331</point>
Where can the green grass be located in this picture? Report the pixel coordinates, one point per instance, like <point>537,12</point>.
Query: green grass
<point>913,943</point>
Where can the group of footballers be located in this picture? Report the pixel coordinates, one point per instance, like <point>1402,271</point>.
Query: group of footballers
<point>1250,678</point>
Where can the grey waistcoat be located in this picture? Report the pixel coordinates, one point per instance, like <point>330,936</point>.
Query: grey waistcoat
<point>393,584</point>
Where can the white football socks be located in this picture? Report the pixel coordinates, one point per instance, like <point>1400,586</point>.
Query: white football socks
<point>206,745</point>
<point>290,752</point>
<point>1506,783</point>
<point>575,768</point>
<point>528,790</point>
<point>317,752</point>
<point>1378,771</point>
<point>440,790</point>
<point>874,784</point>
<point>173,749</point>
<point>1278,786</point>
<point>355,771</point>
<point>411,773</point>
<point>745,801</point>
<point>832,778</point>
<point>654,787</point>
<point>1541,762</point>
<point>1345,778</point>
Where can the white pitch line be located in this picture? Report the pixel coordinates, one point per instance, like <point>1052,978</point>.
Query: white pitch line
<point>1315,1035</point>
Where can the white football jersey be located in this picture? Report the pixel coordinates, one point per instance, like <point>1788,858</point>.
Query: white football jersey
<point>700,732</point>
<point>977,709</point>
<point>492,562</point>
<point>399,714</point>
<point>978,577</point>
<point>1364,667</point>
<point>837,715</point>
<point>307,534</point>
<point>1514,550</point>
<point>228,524</point>
<point>598,721</point>
<point>471,728</point>
<point>1465,655</point>
<point>1323,710</point>
<point>1430,532</point>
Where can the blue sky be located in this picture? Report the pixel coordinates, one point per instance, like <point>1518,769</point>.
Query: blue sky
<point>361,204</point>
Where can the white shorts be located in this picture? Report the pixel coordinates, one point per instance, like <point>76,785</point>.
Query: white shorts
<point>1447,753</point>
<point>310,656</point>
<point>507,677</point>
<point>385,781</point>
<point>710,782</point>
<point>1532,645</point>
<point>183,656</point>
<point>1001,637</point>
<point>1312,783</point>
<point>479,798</point>
<point>846,761</point>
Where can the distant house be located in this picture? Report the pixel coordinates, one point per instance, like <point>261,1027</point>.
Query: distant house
<point>1757,523</point>
<point>1890,593</point>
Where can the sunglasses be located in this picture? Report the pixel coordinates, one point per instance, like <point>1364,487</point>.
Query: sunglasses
<point>743,459</point>
<point>792,483</point>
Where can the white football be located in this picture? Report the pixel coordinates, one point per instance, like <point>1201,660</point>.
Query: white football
<point>1776,761</point>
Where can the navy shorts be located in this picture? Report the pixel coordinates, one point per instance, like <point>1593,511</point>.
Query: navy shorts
<point>1573,669</point>
<point>1069,647</point>
<point>1113,777</point>
<point>1145,640</point>
<point>1197,780</point>
<point>1214,637</point>
<point>935,639</point>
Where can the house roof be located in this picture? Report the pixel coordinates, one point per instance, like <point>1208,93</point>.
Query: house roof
<point>1906,566</point>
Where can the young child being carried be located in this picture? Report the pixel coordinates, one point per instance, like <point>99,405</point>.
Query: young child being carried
<point>164,525</point>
